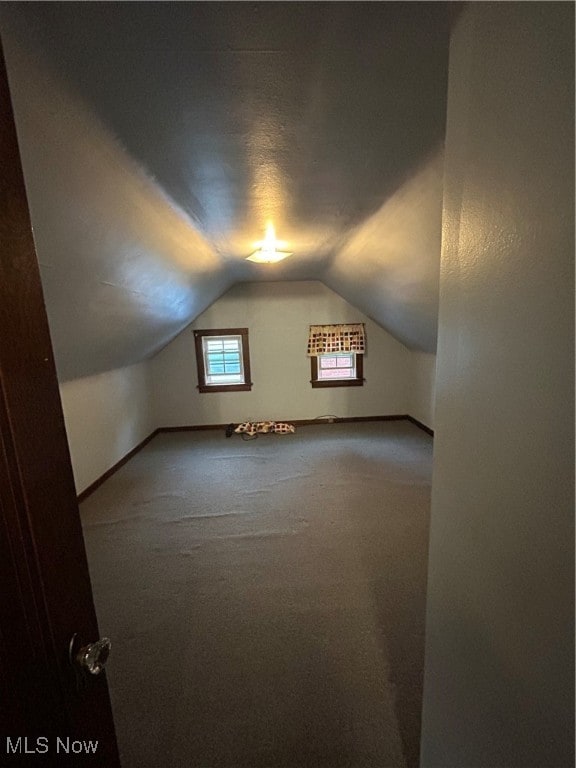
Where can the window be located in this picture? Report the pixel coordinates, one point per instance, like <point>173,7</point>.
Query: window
<point>338,369</point>
<point>223,360</point>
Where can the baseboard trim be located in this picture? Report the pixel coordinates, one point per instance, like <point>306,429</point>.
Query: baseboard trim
<point>109,472</point>
<point>308,422</point>
<point>201,427</point>
<point>345,419</point>
<point>421,425</point>
<point>296,422</point>
<point>192,428</point>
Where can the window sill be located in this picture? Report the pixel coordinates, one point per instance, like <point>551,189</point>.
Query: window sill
<point>225,388</point>
<point>337,383</point>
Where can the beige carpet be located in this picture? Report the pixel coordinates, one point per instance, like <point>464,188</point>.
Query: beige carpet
<point>265,598</point>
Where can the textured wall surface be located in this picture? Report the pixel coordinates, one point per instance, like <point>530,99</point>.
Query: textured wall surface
<point>389,265</point>
<point>277,316</point>
<point>106,416</point>
<point>422,387</point>
<point>123,268</point>
<point>499,650</point>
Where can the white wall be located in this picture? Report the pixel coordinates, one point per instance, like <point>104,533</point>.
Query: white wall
<point>106,416</point>
<point>278,316</point>
<point>422,388</point>
<point>499,676</point>
<point>390,263</point>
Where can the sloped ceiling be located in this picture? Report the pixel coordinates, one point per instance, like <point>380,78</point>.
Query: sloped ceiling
<point>158,139</point>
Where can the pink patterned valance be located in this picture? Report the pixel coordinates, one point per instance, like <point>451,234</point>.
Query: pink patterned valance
<point>324,339</point>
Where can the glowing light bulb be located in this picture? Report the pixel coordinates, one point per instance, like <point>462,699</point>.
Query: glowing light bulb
<point>267,253</point>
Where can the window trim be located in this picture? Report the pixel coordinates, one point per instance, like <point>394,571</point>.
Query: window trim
<point>202,385</point>
<point>322,383</point>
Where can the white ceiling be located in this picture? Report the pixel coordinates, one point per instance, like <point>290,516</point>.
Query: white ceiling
<point>159,138</point>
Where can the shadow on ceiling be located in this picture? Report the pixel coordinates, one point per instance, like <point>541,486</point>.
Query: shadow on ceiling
<point>342,101</point>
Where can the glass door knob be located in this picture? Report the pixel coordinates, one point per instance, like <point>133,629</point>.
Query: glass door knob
<point>93,657</point>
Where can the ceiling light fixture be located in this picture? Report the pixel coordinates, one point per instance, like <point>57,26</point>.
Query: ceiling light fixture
<point>267,253</point>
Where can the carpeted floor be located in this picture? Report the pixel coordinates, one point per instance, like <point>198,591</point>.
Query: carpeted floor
<point>265,598</point>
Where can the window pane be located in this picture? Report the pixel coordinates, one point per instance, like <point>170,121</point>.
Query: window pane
<point>218,364</point>
<point>339,366</point>
<point>337,373</point>
<point>226,378</point>
<point>223,360</point>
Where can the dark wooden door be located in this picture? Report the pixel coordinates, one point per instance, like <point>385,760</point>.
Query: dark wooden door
<point>45,591</point>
